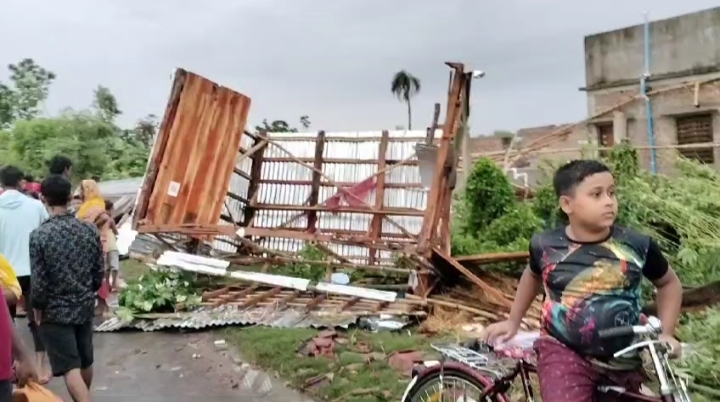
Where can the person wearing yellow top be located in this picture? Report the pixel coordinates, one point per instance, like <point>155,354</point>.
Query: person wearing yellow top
<point>10,285</point>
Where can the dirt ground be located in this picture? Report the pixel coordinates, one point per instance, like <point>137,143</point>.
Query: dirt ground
<point>159,367</point>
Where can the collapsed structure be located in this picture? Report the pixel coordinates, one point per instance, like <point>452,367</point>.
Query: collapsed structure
<point>365,200</point>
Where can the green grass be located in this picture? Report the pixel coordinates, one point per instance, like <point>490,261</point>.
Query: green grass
<point>276,350</point>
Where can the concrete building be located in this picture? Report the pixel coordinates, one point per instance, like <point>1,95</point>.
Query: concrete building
<point>684,55</point>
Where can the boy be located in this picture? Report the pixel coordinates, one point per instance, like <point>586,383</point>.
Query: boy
<point>591,271</point>
<point>68,268</point>
<point>113,254</point>
<point>61,165</point>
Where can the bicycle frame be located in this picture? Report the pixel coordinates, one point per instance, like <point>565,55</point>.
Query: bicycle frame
<point>476,365</point>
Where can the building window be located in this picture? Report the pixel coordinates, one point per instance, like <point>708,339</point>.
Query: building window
<point>606,137</point>
<point>696,129</point>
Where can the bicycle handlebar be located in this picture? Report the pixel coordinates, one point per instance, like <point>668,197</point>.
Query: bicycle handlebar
<point>652,327</point>
<point>622,331</point>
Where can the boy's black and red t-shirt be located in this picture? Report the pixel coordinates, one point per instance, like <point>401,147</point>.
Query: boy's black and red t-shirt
<point>593,286</point>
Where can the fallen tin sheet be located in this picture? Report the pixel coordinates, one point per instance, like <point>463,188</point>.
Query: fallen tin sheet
<point>326,303</point>
<point>226,315</point>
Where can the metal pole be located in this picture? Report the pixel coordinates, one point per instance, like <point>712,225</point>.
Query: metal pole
<point>648,104</point>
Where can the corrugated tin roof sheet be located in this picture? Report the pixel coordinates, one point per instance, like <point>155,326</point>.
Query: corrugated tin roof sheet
<point>115,189</point>
<point>335,147</point>
<point>192,161</point>
<point>232,315</point>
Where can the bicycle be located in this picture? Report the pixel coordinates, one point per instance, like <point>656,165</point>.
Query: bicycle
<point>488,375</point>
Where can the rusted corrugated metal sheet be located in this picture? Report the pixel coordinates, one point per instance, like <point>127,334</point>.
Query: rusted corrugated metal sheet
<point>192,160</point>
<point>335,147</point>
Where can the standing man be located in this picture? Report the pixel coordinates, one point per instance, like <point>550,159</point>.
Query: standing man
<point>68,268</point>
<point>61,165</point>
<point>20,215</point>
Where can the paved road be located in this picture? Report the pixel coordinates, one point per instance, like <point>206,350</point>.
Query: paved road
<point>173,367</point>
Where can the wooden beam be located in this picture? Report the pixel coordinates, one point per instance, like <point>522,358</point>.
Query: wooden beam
<point>314,197</point>
<point>376,223</point>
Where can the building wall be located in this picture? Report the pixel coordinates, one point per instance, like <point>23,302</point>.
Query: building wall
<point>683,50</point>
<point>680,46</point>
<point>666,108</point>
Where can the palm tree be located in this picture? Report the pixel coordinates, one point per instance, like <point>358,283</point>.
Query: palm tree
<point>404,86</point>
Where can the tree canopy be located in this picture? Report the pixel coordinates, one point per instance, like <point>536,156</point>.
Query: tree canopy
<point>92,138</point>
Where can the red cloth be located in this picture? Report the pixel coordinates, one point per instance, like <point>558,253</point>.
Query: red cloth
<point>104,290</point>
<point>566,376</point>
<point>359,192</point>
<point>34,187</point>
<point>6,334</point>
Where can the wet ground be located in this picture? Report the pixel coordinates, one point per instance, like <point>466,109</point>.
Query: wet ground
<point>177,367</point>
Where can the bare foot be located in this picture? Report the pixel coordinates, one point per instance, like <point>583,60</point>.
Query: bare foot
<point>101,309</point>
<point>44,378</point>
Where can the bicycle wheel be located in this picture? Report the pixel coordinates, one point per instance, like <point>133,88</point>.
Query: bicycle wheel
<point>457,386</point>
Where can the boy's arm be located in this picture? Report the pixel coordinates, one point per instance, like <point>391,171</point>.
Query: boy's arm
<point>669,289</point>
<point>528,288</point>
<point>39,280</point>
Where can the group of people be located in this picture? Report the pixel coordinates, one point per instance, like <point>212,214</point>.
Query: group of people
<point>63,264</point>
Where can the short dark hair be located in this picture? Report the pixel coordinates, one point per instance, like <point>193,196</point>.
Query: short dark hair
<point>11,176</point>
<point>109,205</point>
<point>29,178</point>
<point>59,164</point>
<point>56,190</point>
<point>574,172</point>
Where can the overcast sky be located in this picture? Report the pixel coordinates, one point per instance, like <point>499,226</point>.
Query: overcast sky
<point>331,60</point>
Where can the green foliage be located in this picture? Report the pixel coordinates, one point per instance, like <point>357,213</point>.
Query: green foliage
<point>22,100</point>
<point>702,331</point>
<point>89,138</point>
<point>518,223</point>
<point>489,219</point>
<point>405,86</point>
<point>306,269</point>
<point>488,196</point>
<point>81,137</point>
<point>545,206</point>
<point>106,104</point>
<point>159,291</point>
<point>281,126</point>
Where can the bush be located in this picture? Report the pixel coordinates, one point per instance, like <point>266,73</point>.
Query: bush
<point>520,223</point>
<point>702,331</point>
<point>305,269</point>
<point>488,195</point>
<point>489,219</point>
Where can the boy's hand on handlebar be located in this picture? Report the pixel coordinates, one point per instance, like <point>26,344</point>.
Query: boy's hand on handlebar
<point>674,344</point>
<point>499,332</point>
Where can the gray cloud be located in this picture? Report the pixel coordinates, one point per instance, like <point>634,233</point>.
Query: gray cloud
<point>331,60</point>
